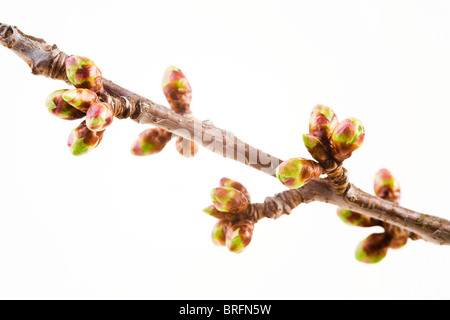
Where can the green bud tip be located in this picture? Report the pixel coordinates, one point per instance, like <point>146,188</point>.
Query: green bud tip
<point>296,172</point>
<point>80,99</point>
<point>229,183</point>
<point>83,73</point>
<point>348,136</point>
<point>229,200</point>
<point>373,249</point>
<point>315,147</point>
<point>210,210</point>
<point>322,122</point>
<point>82,140</point>
<point>56,105</point>
<point>386,186</point>
<point>99,116</point>
<point>239,236</point>
<point>177,90</point>
<point>219,232</point>
<point>150,141</point>
<point>186,147</point>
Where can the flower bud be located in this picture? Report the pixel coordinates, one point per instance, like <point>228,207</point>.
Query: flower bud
<point>322,122</point>
<point>81,99</point>
<point>239,236</point>
<point>186,147</point>
<point>386,186</point>
<point>296,172</point>
<point>219,232</point>
<point>373,249</point>
<point>59,108</point>
<point>83,73</point>
<point>228,183</point>
<point>82,140</point>
<point>346,138</point>
<point>315,147</point>
<point>177,90</point>
<point>229,200</point>
<point>356,219</point>
<point>150,141</point>
<point>99,116</point>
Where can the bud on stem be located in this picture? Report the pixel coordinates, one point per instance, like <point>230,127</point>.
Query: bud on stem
<point>229,183</point>
<point>322,122</point>
<point>82,140</point>
<point>83,73</point>
<point>373,249</point>
<point>296,172</point>
<point>150,141</point>
<point>99,116</point>
<point>315,147</point>
<point>177,90</point>
<point>346,138</point>
<point>386,186</point>
<point>59,108</point>
<point>80,99</point>
<point>239,236</point>
<point>219,232</point>
<point>229,200</point>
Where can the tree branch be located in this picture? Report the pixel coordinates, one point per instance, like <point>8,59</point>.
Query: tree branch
<point>48,60</point>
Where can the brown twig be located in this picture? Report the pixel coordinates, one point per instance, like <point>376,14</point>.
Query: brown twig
<point>48,60</point>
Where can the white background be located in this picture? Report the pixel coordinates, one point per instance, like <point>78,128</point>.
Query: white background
<point>112,226</point>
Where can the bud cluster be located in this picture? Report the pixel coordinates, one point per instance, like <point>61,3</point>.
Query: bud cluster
<point>178,93</point>
<point>329,139</point>
<point>329,142</point>
<point>231,203</point>
<point>82,102</point>
<point>375,247</point>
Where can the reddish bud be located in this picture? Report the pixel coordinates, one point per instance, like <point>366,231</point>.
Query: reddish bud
<point>296,172</point>
<point>322,122</point>
<point>150,141</point>
<point>99,116</point>
<point>219,232</point>
<point>386,186</point>
<point>81,99</point>
<point>373,249</point>
<point>229,200</point>
<point>315,147</point>
<point>83,73</point>
<point>177,90</point>
<point>239,236</point>
<point>82,140</point>
<point>59,108</point>
<point>228,183</point>
<point>346,138</point>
